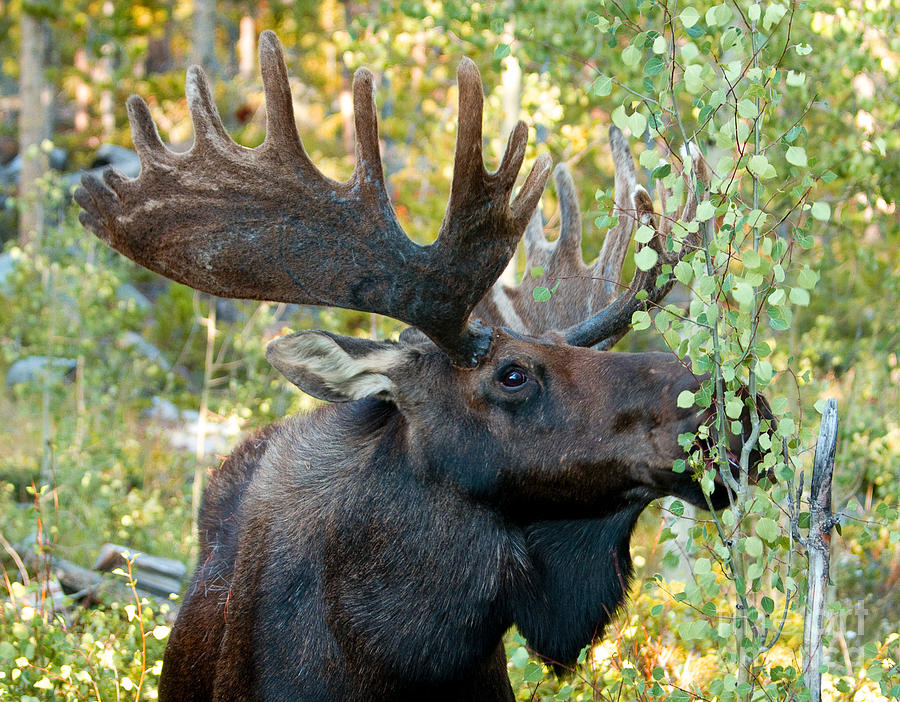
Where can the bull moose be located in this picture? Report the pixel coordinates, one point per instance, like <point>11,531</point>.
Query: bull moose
<point>485,470</point>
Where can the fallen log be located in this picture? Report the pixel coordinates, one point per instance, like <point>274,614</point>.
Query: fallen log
<point>88,587</point>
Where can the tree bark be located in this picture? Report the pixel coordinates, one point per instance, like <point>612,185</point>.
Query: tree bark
<point>33,128</point>
<point>818,543</point>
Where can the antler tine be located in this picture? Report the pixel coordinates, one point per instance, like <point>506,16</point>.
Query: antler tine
<point>266,224</point>
<point>610,324</point>
<point>608,266</point>
<point>208,129</point>
<point>144,134</point>
<point>472,186</point>
<point>281,128</point>
<point>568,245</point>
<point>534,238</point>
<point>585,307</point>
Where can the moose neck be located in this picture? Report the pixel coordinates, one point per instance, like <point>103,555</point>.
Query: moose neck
<point>580,572</point>
<point>560,581</point>
<point>566,571</point>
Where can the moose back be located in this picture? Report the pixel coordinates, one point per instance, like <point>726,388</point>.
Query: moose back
<point>483,471</point>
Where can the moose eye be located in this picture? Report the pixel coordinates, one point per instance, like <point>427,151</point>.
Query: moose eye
<point>513,377</point>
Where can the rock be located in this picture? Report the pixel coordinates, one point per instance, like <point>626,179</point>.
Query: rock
<point>7,266</point>
<point>38,368</point>
<point>126,292</point>
<point>180,428</point>
<point>134,340</point>
<point>56,159</point>
<point>162,410</point>
<point>123,160</point>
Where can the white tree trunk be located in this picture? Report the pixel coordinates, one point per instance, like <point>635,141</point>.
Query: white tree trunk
<point>33,128</point>
<point>821,522</point>
<point>247,48</point>
<point>511,95</point>
<point>204,34</point>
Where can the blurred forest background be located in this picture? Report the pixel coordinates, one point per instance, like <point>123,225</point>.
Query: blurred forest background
<point>119,389</point>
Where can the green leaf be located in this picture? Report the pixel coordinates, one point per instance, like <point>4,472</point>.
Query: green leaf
<point>705,211</point>
<point>693,80</point>
<point>796,156</point>
<point>734,407</point>
<point>685,399</point>
<point>751,259</point>
<point>774,13</point>
<point>794,79</point>
<point>644,234</point>
<point>743,293</point>
<point>640,320</point>
<point>637,123</point>
<point>534,672</point>
<point>689,17</point>
<point>661,171</point>
<point>502,51</point>
<point>683,272</point>
<point>601,87</point>
<point>646,258</point>
<point>799,296</point>
<point>654,66</point>
<point>631,56</point>
<point>536,271</point>
<point>519,658</point>
<point>807,278</point>
<point>718,15</point>
<point>659,45</point>
<point>821,211</point>
<point>767,529</point>
<point>747,109</point>
<point>753,546</point>
<point>649,159</point>
<point>541,294</point>
<point>758,165</point>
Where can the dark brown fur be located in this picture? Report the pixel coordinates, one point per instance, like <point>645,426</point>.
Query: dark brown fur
<point>357,553</point>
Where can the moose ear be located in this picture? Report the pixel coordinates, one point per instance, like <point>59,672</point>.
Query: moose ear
<point>336,368</point>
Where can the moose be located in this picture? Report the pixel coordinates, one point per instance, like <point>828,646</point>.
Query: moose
<point>485,470</point>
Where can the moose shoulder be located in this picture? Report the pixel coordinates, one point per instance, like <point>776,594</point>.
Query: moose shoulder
<point>471,476</point>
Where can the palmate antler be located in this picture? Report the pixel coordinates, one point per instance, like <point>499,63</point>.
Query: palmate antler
<point>585,307</point>
<point>265,224</point>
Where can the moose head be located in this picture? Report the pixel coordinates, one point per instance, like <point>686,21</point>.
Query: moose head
<point>483,471</point>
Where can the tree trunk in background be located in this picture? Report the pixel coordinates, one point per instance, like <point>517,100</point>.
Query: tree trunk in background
<point>204,35</point>
<point>247,48</point>
<point>33,127</point>
<point>330,12</point>
<point>511,96</point>
<point>83,92</point>
<point>104,77</point>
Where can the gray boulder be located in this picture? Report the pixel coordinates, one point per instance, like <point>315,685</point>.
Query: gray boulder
<point>39,368</point>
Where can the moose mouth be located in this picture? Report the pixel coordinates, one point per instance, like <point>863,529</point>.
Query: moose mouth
<point>720,497</point>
